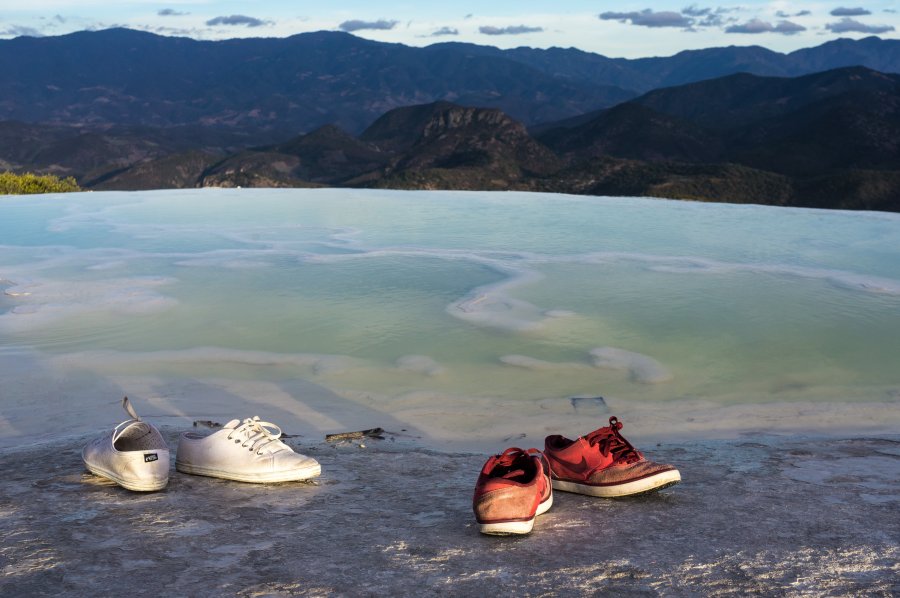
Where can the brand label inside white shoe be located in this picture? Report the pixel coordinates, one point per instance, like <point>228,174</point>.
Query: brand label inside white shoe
<point>149,457</point>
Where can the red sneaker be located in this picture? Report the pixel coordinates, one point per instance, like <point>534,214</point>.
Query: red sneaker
<point>603,463</point>
<point>512,489</point>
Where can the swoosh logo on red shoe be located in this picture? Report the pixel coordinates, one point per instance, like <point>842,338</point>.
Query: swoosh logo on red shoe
<point>571,467</point>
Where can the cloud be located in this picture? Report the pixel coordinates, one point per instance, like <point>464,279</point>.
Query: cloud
<point>648,18</point>
<point>714,20</point>
<point>783,15</point>
<point>238,20</point>
<point>357,25</point>
<point>695,11</point>
<point>512,30</point>
<point>19,30</point>
<point>788,28</point>
<point>754,26</point>
<point>850,12</point>
<point>751,26</point>
<point>171,12</point>
<point>445,31</point>
<point>706,17</point>
<point>177,31</point>
<point>847,25</point>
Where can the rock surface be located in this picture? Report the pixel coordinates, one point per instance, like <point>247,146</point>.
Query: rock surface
<point>771,517</point>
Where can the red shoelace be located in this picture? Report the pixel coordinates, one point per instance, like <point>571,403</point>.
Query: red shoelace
<point>609,441</point>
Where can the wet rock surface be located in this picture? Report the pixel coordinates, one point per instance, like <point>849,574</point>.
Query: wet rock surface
<point>771,517</point>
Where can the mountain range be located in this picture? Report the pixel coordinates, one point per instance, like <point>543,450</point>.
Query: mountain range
<point>121,109</point>
<point>299,83</point>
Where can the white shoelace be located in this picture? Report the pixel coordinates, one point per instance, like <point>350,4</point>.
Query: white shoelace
<point>258,435</point>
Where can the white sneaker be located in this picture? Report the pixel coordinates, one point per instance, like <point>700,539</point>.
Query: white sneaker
<point>134,455</point>
<point>248,451</point>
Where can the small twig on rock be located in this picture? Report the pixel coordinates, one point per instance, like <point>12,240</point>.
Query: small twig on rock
<point>372,433</point>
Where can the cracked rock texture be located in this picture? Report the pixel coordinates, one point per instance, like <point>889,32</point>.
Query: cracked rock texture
<point>768,517</point>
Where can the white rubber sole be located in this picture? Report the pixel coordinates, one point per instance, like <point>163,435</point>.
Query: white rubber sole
<point>508,528</point>
<point>642,486</point>
<point>272,477</point>
<point>133,485</point>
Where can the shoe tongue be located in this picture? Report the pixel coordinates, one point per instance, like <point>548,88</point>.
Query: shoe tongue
<point>232,424</point>
<point>513,474</point>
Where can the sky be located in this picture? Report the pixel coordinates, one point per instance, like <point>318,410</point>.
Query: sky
<point>616,29</point>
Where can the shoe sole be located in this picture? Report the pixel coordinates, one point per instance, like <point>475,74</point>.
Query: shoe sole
<point>133,485</point>
<point>636,488</point>
<point>515,528</point>
<point>274,477</point>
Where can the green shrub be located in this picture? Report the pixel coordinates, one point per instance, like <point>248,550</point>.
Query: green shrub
<point>26,183</point>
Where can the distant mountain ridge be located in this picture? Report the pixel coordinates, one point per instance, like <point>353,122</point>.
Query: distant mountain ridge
<point>803,126</point>
<point>299,83</point>
<point>688,66</point>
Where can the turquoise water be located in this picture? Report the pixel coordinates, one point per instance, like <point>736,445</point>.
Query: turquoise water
<point>493,296</point>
